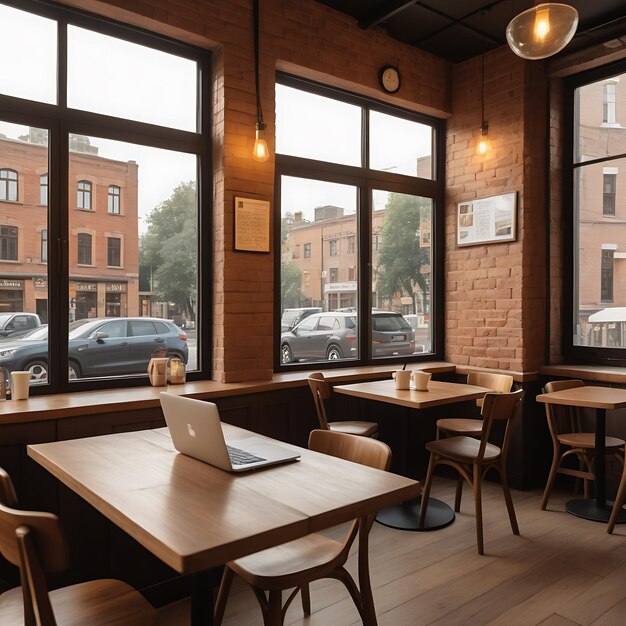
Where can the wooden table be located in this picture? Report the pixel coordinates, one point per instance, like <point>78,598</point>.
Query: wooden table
<point>601,399</point>
<point>405,516</point>
<point>195,517</point>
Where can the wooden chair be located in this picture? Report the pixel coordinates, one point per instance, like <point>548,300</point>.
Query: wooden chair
<point>300,562</point>
<point>322,393</point>
<point>34,543</point>
<point>472,458</point>
<point>619,498</point>
<point>450,426</point>
<point>578,444</point>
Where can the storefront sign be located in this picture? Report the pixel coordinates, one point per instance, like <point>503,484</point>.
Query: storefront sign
<point>86,286</point>
<point>40,283</point>
<point>348,286</point>
<point>115,287</point>
<point>10,284</point>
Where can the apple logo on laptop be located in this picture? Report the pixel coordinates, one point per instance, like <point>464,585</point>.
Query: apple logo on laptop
<point>191,431</point>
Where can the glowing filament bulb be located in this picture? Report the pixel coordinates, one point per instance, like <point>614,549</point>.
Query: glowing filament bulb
<point>542,24</point>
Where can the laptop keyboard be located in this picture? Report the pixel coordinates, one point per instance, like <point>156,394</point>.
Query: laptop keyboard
<point>240,457</point>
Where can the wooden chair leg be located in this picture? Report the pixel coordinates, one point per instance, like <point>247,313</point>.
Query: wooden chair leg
<point>551,476</point>
<point>508,499</point>
<point>619,503</point>
<point>305,593</point>
<point>342,575</point>
<point>365,584</point>
<point>478,505</point>
<point>222,595</point>
<point>426,490</point>
<point>459,493</point>
<point>275,608</point>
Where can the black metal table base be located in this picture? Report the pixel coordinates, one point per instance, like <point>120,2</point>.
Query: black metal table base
<point>588,509</point>
<point>405,516</point>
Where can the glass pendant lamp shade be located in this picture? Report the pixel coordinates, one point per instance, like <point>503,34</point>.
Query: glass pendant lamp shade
<point>542,31</point>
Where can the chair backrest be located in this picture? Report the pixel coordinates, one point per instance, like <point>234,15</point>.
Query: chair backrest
<point>322,392</point>
<point>499,407</point>
<point>562,418</point>
<point>502,383</point>
<point>7,492</point>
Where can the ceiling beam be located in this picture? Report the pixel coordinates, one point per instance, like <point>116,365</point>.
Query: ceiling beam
<point>383,12</point>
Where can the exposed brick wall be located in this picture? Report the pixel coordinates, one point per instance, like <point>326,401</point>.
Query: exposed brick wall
<point>495,294</point>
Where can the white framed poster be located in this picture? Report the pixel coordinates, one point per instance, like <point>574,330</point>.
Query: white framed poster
<point>252,225</point>
<point>487,220</point>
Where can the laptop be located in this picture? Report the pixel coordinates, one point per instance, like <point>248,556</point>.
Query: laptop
<point>196,431</point>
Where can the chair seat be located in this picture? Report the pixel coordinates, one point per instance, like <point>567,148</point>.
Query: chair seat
<point>587,440</point>
<point>289,564</point>
<point>95,603</point>
<point>464,449</point>
<point>363,429</point>
<point>460,425</point>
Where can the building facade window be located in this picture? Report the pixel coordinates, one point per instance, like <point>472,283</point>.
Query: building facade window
<point>114,251</point>
<point>359,190</point>
<point>114,200</point>
<point>8,243</point>
<point>83,200</point>
<point>43,190</point>
<point>609,104</point>
<point>8,185</point>
<point>139,141</point>
<point>84,248</point>
<point>606,276</point>
<point>608,194</point>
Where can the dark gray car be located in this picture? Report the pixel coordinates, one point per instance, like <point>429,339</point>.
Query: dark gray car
<point>333,335</point>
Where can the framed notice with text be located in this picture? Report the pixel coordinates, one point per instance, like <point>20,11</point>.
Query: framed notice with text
<point>487,220</point>
<point>252,225</point>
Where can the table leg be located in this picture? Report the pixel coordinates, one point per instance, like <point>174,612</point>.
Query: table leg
<point>202,609</point>
<point>365,585</point>
<point>598,509</point>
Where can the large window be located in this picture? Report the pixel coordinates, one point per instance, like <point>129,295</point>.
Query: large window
<point>93,116</point>
<point>362,208</point>
<point>598,245</point>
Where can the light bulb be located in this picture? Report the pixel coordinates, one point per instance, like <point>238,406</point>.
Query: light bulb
<point>260,152</point>
<point>542,24</point>
<point>483,144</point>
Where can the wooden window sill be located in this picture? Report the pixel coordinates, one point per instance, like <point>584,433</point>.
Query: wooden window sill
<point>599,373</point>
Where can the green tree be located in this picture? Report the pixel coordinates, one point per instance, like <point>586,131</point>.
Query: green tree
<point>402,257</point>
<point>168,251</point>
<point>290,285</point>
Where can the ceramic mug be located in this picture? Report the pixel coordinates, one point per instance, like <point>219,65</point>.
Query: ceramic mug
<point>20,382</point>
<point>402,378</point>
<point>421,380</point>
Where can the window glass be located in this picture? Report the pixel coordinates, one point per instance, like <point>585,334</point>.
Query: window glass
<point>114,199</point>
<point>83,200</point>
<point>43,190</point>
<point>114,246</point>
<point>83,241</point>
<point>400,146</point>
<point>28,48</point>
<point>315,127</point>
<point>143,327</point>
<point>116,77</point>
<point>8,185</point>
<point>44,245</point>
<point>114,329</point>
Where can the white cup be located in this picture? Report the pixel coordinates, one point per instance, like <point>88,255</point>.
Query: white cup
<point>421,380</point>
<point>402,378</point>
<point>20,382</point>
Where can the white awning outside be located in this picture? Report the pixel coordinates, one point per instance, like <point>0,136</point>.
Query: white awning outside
<point>613,314</point>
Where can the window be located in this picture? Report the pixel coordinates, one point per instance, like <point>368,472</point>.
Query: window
<point>114,251</point>
<point>142,104</point>
<point>84,249</point>
<point>595,255</point>
<point>114,200</point>
<point>83,200</point>
<point>43,190</point>
<point>364,200</point>
<point>608,195</point>
<point>8,243</point>
<point>8,185</point>
<point>44,246</point>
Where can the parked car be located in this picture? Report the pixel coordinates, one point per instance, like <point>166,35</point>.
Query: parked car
<point>291,317</point>
<point>18,324</point>
<point>98,347</point>
<point>333,335</point>
<point>421,328</point>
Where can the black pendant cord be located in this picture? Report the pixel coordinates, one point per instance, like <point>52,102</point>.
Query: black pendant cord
<point>482,94</point>
<point>259,110</point>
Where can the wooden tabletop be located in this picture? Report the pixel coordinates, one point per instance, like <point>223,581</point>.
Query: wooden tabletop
<point>438,393</point>
<point>194,516</point>
<point>592,397</point>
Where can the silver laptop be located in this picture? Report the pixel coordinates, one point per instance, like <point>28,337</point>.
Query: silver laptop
<point>196,431</point>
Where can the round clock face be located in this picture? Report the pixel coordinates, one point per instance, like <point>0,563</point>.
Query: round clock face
<point>389,78</point>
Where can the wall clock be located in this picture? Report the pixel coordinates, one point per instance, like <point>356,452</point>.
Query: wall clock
<point>389,78</point>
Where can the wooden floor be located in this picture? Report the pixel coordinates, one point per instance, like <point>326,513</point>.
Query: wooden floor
<point>561,571</point>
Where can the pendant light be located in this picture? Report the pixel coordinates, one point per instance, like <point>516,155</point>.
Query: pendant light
<point>542,30</point>
<point>483,143</point>
<point>260,152</point>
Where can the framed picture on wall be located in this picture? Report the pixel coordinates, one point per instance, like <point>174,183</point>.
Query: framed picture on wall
<point>252,225</point>
<point>487,220</point>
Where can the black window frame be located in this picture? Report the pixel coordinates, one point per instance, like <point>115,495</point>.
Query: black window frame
<point>60,121</point>
<point>367,180</point>
<point>44,245</point>
<point>609,186</point>
<point>114,200</point>
<point>43,185</point>
<point>607,276</point>
<point>9,236</point>
<point>113,250</point>
<point>572,352</point>
<point>84,249</point>
<point>8,182</point>
<point>84,193</point>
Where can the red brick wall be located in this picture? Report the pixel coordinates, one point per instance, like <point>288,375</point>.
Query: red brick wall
<point>495,294</point>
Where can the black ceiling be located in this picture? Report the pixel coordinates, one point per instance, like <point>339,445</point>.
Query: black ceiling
<point>459,29</point>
